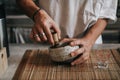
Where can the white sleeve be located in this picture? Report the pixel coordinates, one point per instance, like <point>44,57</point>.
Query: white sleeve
<point>108,10</point>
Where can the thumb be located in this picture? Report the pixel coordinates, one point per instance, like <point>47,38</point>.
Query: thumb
<point>57,30</point>
<point>76,43</point>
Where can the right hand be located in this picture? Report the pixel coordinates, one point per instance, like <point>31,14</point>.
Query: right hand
<point>43,25</point>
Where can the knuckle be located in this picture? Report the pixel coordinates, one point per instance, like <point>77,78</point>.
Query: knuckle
<point>84,58</point>
<point>82,50</point>
<point>59,31</point>
<point>88,57</point>
<point>45,39</point>
<point>44,23</point>
<point>65,39</point>
<point>77,52</point>
<point>75,42</point>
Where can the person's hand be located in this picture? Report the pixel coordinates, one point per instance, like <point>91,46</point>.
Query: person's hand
<point>84,50</point>
<point>42,28</point>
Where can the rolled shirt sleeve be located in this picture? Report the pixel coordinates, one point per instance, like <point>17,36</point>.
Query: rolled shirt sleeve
<point>74,17</point>
<point>108,10</point>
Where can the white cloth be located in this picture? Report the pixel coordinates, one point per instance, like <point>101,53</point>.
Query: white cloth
<point>74,17</point>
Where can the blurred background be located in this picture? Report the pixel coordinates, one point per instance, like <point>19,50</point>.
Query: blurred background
<point>19,25</point>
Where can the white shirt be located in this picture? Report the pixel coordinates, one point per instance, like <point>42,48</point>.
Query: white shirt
<point>74,17</point>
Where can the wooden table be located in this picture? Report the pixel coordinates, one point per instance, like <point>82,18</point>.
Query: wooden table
<point>37,65</point>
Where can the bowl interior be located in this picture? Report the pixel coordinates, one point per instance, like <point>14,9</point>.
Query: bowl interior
<point>61,44</point>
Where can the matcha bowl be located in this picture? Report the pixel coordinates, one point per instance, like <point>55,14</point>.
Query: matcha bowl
<point>61,53</point>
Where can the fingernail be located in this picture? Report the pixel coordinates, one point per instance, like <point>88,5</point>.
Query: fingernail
<point>59,37</point>
<point>72,43</point>
<point>72,64</point>
<point>52,43</point>
<point>72,54</point>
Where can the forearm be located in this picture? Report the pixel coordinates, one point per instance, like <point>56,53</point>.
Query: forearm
<point>28,6</point>
<point>96,30</point>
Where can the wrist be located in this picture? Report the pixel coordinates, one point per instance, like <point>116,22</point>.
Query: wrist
<point>90,38</point>
<point>35,13</point>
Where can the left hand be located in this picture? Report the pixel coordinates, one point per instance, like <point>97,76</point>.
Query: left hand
<point>87,41</point>
<point>85,49</point>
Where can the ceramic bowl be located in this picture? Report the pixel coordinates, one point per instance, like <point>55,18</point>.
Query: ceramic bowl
<point>62,53</point>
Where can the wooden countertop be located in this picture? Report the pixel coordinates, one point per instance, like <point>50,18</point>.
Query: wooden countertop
<point>17,51</point>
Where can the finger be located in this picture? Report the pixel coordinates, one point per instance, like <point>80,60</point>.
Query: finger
<point>78,51</point>
<point>57,30</point>
<point>35,35</point>
<point>48,34</point>
<point>76,42</point>
<point>31,34</point>
<point>64,40</point>
<point>42,36</point>
<point>81,59</point>
<point>67,40</point>
<point>41,33</point>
